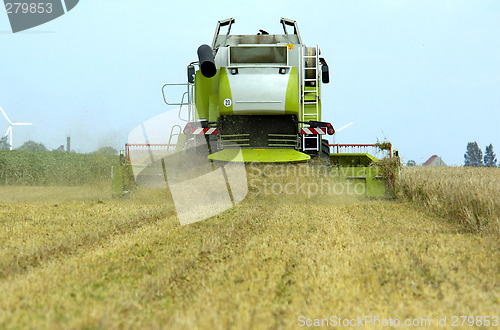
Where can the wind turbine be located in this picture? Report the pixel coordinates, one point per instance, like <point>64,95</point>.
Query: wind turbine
<point>11,124</point>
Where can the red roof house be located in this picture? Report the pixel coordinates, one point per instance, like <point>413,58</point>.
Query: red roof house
<point>435,160</point>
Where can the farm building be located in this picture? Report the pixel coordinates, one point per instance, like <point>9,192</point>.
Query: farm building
<point>435,160</point>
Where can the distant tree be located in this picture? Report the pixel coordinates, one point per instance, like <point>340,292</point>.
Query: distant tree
<point>474,155</point>
<point>4,145</point>
<point>32,146</point>
<point>411,163</point>
<point>106,151</point>
<point>490,159</point>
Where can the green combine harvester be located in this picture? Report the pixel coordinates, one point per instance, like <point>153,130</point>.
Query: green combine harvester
<point>257,99</point>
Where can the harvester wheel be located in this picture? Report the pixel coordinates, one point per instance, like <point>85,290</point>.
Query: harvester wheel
<point>325,149</point>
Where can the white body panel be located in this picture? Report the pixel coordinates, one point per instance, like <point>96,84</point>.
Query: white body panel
<point>258,89</point>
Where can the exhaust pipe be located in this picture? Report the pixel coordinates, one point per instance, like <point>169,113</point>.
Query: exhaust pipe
<point>206,61</point>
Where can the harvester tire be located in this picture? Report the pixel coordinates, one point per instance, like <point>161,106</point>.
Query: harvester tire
<point>325,149</point>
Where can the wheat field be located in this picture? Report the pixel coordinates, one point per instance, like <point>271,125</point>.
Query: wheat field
<point>468,196</point>
<point>75,258</point>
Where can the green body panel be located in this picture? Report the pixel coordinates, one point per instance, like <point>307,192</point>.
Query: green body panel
<point>213,113</point>
<point>361,168</point>
<point>365,178</point>
<point>292,93</point>
<point>123,180</point>
<point>260,155</point>
<point>224,93</point>
<point>352,159</point>
<point>206,92</point>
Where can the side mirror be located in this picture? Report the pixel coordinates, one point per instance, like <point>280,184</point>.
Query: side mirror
<point>325,74</point>
<point>191,73</point>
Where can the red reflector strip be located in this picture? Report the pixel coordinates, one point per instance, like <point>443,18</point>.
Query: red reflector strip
<point>207,131</point>
<point>313,130</point>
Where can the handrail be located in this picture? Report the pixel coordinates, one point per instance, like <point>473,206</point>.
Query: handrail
<point>174,84</point>
<point>172,134</point>
<point>180,108</point>
<point>190,99</point>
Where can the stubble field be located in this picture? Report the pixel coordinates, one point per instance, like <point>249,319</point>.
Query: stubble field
<point>72,257</point>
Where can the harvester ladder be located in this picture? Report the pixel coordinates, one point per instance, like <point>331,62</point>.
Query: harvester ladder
<point>310,94</point>
<point>310,84</point>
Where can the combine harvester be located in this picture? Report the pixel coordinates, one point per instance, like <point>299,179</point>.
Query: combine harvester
<point>256,99</point>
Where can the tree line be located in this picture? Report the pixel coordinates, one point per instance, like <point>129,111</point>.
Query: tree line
<point>39,147</point>
<point>474,156</point>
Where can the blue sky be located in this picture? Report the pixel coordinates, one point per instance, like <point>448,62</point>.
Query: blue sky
<point>424,74</point>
